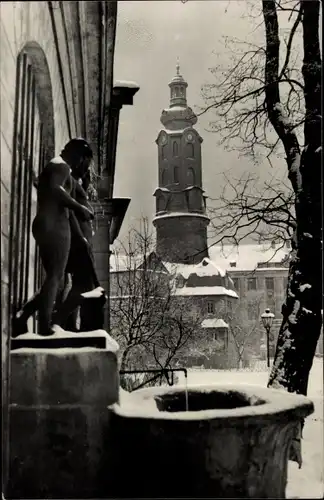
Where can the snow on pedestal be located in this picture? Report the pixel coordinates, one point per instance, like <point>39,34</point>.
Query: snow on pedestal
<point>65,339</point>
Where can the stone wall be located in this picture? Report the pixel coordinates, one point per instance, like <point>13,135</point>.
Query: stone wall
<point>41,33</point>
<point>181,238</point>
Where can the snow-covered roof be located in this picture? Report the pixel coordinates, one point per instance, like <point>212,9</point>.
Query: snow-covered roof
<point>214,323</point>
<point>204,290</point>
<point>121,262</point>
<point>246,257</point>
<point>206,267</point>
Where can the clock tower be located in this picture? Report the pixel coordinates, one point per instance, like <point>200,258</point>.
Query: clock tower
<point>181,221</point>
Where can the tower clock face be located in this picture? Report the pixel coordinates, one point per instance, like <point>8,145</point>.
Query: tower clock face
<point>163,140</point>
<point>190,138</point>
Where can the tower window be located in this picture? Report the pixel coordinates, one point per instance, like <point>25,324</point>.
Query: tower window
<point>190,150</point>
<point>191,176</point>
<point>163,152</point>
<point>161,203</point>
<point>175,149</point>
<point>210,307</point>
<point>176,174</point>
<point>164,177</point>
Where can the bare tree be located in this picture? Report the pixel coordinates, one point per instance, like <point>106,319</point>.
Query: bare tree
<point>269,101</point>
<point>244,209</point>
<point>265,102</point>
<point>237,97</point>
<point>150,324</point>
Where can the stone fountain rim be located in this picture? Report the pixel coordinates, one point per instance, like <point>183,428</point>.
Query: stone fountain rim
<point>277,402</point>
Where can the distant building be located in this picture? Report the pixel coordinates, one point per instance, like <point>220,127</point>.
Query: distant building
<point>260,277</point>
<point>181,229</point>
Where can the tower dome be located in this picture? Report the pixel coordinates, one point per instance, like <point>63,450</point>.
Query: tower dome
<point>178,115</point>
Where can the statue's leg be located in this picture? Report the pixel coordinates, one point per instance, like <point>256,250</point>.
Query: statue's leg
<point>54,253</point>
<point>71,323</point>
<point>71,303</point>
<point>84,279</point>
<point>88,321</point>
<point>93,269</point>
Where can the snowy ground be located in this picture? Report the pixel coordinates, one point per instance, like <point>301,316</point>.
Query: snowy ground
<point>307,482</point>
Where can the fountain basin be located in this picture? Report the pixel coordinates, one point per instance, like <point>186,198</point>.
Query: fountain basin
<point>232,442</point>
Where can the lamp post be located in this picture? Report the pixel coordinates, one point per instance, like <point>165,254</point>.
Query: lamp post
<point>267,319</point>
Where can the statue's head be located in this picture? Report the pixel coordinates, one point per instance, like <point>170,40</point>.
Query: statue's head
<point>78,154</point>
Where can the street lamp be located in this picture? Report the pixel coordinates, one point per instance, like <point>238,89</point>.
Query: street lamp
<point>267,319</point>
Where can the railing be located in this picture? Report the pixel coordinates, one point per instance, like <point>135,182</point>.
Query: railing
<point>159,373</point>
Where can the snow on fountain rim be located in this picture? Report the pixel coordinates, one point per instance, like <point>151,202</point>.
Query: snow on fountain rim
<point>141,403</point>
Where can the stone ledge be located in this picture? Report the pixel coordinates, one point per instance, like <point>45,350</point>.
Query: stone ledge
<point>86,376</point>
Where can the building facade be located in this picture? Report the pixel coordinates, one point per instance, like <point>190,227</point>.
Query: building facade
<point>259,274</point>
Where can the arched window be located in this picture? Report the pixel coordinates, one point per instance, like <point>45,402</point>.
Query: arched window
<point>163,152</point>
<point>164,178</point>
<point>176,175</point>
<point>161,203</point>
<point>29,155</point>
<point>191,176</point>
<point>190,151</point>
<point>175,148</point>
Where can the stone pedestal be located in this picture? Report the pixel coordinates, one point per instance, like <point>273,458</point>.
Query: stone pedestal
<point>59,418</point>
<point>233,442</point>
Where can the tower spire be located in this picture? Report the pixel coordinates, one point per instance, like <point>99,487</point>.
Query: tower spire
<point>178,66</point>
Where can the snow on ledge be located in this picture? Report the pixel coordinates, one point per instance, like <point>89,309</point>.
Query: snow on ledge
<point>214,323</point>
<point>180,214</point>
<point>205,290</point>
<point>111,344</point>
<point>126,83</point>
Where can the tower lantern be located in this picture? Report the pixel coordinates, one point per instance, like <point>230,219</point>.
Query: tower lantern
<point>178,89</point>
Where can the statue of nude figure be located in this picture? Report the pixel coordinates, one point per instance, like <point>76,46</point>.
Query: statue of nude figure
<point>52,232</point>
<point>81,266</point>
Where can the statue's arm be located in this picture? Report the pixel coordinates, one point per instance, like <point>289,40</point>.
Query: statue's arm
<point>60,173</point>
<point>81,196</point>
<point>76,231</point>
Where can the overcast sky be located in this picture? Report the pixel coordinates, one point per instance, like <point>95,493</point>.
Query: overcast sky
<point>150,37</point>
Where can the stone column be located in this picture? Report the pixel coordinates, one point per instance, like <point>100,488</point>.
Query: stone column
<point>101,248</point>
